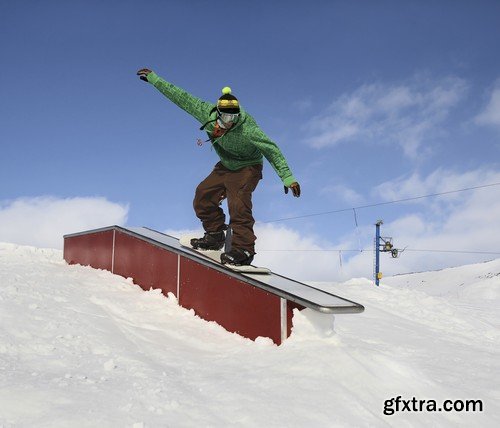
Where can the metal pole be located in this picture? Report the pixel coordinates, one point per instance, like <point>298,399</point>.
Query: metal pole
<point>377,252</point>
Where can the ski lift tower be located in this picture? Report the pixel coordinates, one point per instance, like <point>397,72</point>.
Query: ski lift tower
<point>377,274</point>
<point>384,245</point>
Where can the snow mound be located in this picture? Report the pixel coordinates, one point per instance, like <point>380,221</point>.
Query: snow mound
<point>81,347</point>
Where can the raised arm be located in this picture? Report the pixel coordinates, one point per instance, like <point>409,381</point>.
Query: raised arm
<point>196,107</point>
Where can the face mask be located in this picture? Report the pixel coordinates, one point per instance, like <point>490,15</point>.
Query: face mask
<point>225,119</point>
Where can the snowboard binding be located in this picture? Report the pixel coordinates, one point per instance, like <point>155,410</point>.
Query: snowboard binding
<point>210,241</point>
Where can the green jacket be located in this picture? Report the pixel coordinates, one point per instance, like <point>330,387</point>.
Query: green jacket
<point>243,145</point>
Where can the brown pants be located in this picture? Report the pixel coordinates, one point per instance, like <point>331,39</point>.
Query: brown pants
<point>237,186</point>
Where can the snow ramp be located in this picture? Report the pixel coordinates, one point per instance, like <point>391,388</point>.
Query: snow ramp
<point>249,304</point>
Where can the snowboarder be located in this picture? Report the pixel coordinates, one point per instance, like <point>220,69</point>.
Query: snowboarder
<point>241,145</point>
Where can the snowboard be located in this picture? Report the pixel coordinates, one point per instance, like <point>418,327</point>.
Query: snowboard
<point>214,255</point>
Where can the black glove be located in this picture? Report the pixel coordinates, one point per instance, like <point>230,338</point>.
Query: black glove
<point>295,189</point>
<point>143,74</point>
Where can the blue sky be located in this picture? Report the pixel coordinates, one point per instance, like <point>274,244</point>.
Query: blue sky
<point>370,101</point>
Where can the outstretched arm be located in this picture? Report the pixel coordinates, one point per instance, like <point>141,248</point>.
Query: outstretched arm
<point>196,107</point>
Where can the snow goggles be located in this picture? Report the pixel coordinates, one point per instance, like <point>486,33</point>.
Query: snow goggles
<point>228,117</point>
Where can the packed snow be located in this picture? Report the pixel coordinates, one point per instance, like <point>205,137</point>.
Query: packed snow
<point>81,347</point>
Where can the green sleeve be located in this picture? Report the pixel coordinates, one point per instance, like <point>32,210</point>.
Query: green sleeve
<point>272,153</point>
<point>196,107</point>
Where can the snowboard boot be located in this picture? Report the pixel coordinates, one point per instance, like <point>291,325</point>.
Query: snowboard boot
<point>210,241</point>
<point>237,257</point>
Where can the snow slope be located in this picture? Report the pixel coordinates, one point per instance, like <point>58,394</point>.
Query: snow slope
<point>83,348</point>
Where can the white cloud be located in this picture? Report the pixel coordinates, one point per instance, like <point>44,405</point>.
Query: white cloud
<point>404,115</point>
<point>439,181</point>
<point>42,221</point>
<point>491,113</point>
<point>459,221</point>
<point>287,252</point>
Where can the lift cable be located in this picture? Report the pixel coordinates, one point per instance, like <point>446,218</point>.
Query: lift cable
<point>326,250</point>
<point>378,204</point>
